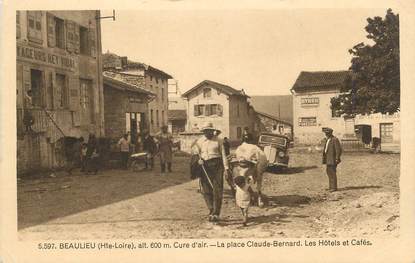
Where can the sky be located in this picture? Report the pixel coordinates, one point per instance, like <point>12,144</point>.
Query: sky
<point>260,51</point>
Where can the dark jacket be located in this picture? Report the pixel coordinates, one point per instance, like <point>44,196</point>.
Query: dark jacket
<point>334,151</point>
<point>149,145</point>
<point>195,168</point>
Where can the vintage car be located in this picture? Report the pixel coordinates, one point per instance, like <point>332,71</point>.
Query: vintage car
<point>275,147</point>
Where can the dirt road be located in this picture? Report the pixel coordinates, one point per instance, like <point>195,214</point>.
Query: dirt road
<point>126,204</point>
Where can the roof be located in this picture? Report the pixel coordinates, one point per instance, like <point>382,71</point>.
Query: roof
<point>273,117</point>
<point>219,86</point>
<point>111,60</point>
<point>275,105</point>
<point>122,85</point>
<point>176,115</point>
<point>320,79</point>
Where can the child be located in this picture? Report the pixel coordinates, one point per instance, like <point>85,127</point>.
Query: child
<point>243,195</point>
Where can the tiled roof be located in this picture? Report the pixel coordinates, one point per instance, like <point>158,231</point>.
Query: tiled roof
<point>222,87</point>
<point>122,85</point>
<point>273,117</point>
<point>177,115</point>
<point>109,60</point>
<point>275,105</point>
<point>320,79</point>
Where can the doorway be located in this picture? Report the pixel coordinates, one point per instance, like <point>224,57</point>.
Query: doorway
<point>36,82</point>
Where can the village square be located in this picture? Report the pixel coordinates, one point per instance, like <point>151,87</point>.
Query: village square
<point>111,147</point>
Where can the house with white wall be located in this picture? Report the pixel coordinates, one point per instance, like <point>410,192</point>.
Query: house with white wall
<point>227,108</point>
<point>312,93</point>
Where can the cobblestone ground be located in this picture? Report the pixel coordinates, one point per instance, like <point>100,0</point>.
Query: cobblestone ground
<point>121,204</point>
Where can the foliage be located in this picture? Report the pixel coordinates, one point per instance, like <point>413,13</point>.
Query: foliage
<point>374,84</point>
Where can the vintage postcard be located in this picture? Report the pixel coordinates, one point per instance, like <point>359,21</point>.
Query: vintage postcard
<point>196,131</point>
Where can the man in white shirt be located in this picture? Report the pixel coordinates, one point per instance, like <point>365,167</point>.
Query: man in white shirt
<point>213,159</point>
<point>124,144</point>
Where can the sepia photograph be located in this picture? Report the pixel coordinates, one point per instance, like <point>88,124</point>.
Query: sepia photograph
<point>253,124</point>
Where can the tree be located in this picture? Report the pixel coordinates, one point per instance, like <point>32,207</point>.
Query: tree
<point>374,82</point>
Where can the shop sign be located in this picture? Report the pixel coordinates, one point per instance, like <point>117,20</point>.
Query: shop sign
<point>37,55</point>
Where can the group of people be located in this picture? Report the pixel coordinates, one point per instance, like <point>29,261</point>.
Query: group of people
<point>210,163</point>
<point>161,144</point>
<point>84,155</point>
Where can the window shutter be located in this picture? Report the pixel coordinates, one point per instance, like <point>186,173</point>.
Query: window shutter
<point>207,110</point>
<point>27,84</point>
<point>74,88</point>
<point>195,110</point>
<point>76,43</point>
<point>51,30</point>
<point>92,41</point>
<point>69,35</point>
<point>19,84</point>
<point>220,110</point>
<point>18,33</point>
<point>31,21</point>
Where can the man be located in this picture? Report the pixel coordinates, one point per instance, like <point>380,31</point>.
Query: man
<point>165,146</point>
<point>150,147</point>
<point>124,144</point>
<point>331,157</point>
<point>249,152</point>
<point>247,135</point>
<point>227,146</point>
<point>213,160</point>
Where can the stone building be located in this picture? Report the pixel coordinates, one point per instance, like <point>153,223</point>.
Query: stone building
<point>146,77</point>
<point>227,108</point>
<point>312,93</point>
<point>177,121</point>
<point>59,83</point>
<point>126,106</point>
<point>267,123</point>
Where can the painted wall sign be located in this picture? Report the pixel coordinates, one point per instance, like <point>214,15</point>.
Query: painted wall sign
<point>42,56</point>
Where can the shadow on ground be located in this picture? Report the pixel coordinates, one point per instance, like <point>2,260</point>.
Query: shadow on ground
<point>43,199</point>
<point>359,187</point>
<point>295,170</point>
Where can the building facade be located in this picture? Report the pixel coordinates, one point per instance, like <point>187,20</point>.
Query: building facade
<point>177,121</point>
<point>312,93</point>
<point>126,108</point>
<point>227,108</point>
<point>59,83</point>
<point>146,77</point>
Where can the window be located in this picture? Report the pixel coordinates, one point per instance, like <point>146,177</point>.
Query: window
<point>162,117</point>
<point>36,77</point>
<point>157,118</point>
<point>60,33</point>
<point>34,26</point>
<point>310,102</point>
<point>207,93</point>
<point>157,80</point>
<point>199,110</point>
<point>151,118</point>
<point>162,94</point>
<point>237,110</point>
<point>239,132</point>
<point>62,91</point>
<point>86,100</point>
<point>307,121</point>
<point>83,41</point>
<point>151,78</point>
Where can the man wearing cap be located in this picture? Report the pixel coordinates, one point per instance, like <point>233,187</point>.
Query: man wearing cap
<point>331,157</point>
<point>214,163</point>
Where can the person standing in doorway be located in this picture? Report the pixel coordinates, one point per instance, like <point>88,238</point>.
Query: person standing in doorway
<point>90,149</point>
<point>124,144</point>
<point>165,146</point>
<point>331,157</point>
<point>214,164</point>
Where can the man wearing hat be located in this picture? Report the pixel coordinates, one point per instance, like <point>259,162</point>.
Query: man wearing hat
<point>331,157</point>
<point>214,163</point>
